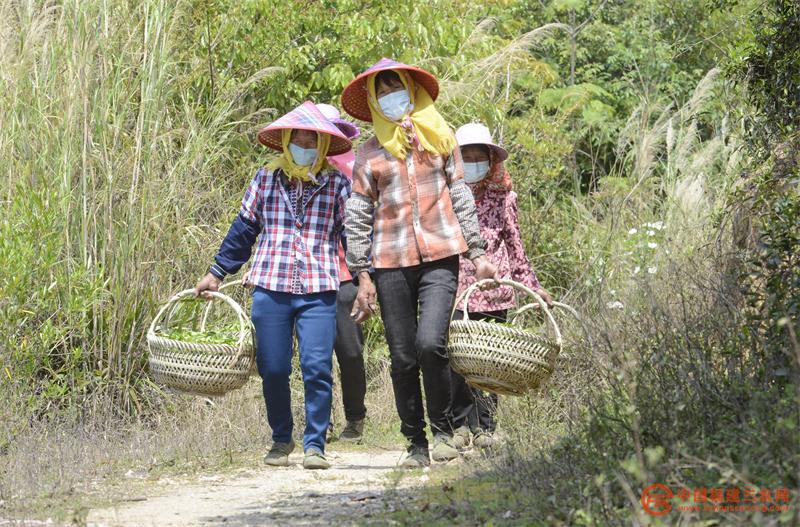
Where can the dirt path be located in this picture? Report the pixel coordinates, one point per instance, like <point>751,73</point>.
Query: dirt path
<point>350,492</point>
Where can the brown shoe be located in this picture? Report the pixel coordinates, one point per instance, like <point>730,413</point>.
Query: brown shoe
<point>443,449</point>
<point>484,440</point>
<point>315,460</point>
<point>417,456</point>
<point>278,455</point>
<point>461,438</point>
<point>353,432</point>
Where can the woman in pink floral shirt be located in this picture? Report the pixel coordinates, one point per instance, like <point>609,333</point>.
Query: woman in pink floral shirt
<point>484,172</point>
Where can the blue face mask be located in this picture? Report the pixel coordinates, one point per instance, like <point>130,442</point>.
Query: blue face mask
<point>474,172</point>
<point>302,156</point>
<point>395,105</point>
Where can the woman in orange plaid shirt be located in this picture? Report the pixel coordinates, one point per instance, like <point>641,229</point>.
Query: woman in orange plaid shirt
<point>413,215</point>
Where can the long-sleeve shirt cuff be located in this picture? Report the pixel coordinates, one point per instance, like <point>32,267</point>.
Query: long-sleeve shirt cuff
<point>475,253</point>
<point>217,271</point>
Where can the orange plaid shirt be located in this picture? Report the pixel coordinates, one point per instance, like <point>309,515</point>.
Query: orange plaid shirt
<point>417,210</point>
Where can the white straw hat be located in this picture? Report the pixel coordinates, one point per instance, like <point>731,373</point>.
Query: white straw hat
<point>478,134</point>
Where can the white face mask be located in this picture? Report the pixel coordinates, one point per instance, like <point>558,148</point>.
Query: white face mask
<point>395,105</point>
<point>302,156</point>
<point>474,172</point>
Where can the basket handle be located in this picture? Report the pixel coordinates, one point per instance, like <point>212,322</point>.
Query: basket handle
<point>566,307</point>
<point>569,309</point>
<point>464,296</point>
<point>207,310</point>
<point>243,322</point>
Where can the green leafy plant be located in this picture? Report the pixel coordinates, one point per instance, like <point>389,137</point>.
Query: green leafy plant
<point>229,335</point>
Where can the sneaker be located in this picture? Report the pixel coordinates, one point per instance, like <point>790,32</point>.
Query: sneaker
<point>278,455</point>
<point>461,437</point>
<point>443,449</point>
<point>315,460</point>
<point>353,432</point>
<point>418,456</point>
<point>484,440</point>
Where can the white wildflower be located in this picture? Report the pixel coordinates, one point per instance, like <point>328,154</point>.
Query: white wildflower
<point>616,304</point>
<point>652,245</point>
<point>636,270</point>
<point>651,233</point>
<point>658,225</point>
<point>613,292</point>
<point>632,231</point>
<point>652,270</point>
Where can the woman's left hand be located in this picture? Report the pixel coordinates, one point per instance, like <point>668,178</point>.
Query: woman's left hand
<point>246,283</point>
<point>484,269</point>
<point>542,292</point>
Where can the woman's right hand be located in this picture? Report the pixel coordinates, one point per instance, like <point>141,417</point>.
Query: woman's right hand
<point>208,283</point>
<point>365,303</point>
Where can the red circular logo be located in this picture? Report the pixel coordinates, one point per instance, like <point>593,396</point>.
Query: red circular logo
<point>657,499</point>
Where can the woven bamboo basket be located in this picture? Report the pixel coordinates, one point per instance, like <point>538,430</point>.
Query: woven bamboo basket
<point>507,360</point>
<point>200,368</point>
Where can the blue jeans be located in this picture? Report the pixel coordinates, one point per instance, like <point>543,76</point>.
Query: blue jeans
<point>275,316</point>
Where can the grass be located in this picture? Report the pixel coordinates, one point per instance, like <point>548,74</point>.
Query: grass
<point>451,499</point>
<point>676,390</point>
<point>681,382</point>
<point>56,467</point>
<point>112,181</point>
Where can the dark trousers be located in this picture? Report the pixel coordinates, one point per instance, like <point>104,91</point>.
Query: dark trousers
<point>416,303</point>
<point>349,348</point>
<point>471,407</point>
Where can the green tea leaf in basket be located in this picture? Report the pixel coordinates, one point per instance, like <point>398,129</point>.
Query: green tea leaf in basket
<point>225,335</point>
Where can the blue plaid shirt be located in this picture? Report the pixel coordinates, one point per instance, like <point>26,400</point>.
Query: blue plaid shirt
<point>298,228</point>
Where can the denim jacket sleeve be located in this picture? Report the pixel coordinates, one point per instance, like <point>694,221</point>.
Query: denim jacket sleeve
<point>237,246</point>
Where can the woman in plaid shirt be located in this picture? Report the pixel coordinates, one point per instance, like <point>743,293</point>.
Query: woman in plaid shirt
<point>296,211</point>
<point>413,214</point>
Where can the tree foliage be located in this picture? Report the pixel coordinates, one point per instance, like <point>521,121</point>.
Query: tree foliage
<point>770,65</point>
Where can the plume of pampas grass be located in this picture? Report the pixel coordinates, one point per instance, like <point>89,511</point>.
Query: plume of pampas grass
<point>702,93</point>
<point>484,27</point>
<point>488,71</point>
<point>689,198</point>
<point>687,142</point>
<point>651,130</point>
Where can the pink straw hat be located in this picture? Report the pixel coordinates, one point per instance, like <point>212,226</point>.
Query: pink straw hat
<point>354,96</point>
<point>478,134</point>
<point>305,117</point>
<point>332,114</point>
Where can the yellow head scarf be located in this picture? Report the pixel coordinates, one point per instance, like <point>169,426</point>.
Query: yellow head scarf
<point>424,125</point>
<point>295,171</point>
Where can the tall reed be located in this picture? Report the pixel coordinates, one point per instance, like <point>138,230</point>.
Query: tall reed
<point>114,182</point>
